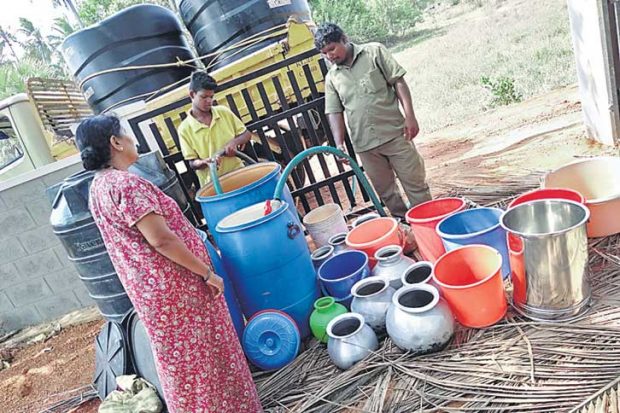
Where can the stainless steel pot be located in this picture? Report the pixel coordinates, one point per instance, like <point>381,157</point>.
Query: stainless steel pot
<point>418,320</point>
<point>391,263</point>
<point>350,340</point>
<point>548,247</point>
<point>338,243</point>
<point>320,255</point>
<point>419,273</point>
<point>364,218</point>
<point>371,298</point>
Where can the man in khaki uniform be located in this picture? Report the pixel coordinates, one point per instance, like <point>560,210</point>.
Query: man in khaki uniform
<point>366,83</point>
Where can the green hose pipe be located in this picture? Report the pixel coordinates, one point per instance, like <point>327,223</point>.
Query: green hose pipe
<point>214,178</point>
<point>329,149</point>
<point>213,169</point>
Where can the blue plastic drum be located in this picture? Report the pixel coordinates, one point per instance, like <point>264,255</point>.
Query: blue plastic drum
<point>271,340</point>
<point>242,188</point>
<point>268,261</point>
<point>229,291</point>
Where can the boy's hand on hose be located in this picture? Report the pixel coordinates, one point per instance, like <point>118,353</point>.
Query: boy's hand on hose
<point>215,160</point>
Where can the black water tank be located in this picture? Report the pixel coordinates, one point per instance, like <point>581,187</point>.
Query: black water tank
<point>74,226</point>
<point>218,24</point>
<point>137,36</point>
<point>139,345</point>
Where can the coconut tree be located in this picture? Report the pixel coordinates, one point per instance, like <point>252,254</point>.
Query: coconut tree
<point>13,75</point>
<point>61,28</point>
<point>34,43</point>
<point>7,41</point>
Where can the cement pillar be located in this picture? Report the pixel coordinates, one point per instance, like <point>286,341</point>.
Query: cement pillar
<point>594,42</point>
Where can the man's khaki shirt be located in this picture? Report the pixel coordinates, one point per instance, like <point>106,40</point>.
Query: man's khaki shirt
<point>365,92</point>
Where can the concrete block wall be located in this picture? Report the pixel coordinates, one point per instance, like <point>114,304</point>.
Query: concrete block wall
<point>37,281</point>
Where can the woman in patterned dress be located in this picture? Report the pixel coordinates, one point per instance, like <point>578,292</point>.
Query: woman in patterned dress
<point>167,273</point>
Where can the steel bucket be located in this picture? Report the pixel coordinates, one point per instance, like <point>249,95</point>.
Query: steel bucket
<point>549,254</point>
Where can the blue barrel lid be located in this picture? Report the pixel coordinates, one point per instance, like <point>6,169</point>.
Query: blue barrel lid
<point>271,340</point>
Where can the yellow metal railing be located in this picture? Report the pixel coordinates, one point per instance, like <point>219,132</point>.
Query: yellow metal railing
<point>299,39</point>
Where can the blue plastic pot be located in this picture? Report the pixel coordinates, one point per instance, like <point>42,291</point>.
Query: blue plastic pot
<point>339,273</point>
<point>229,290</point>
<point>476,226</point>
<point>268,260</point>
<point>242,188</point>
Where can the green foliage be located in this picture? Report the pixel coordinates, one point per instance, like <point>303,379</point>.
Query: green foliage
<point>60,30</point>
<point>370,20</point>
<point>93,11</point>
<point>13,75</point>
<point>503,90</point>
<point>35,45</point>
<point>7,45</point>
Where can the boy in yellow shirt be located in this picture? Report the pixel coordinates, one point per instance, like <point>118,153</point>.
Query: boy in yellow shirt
<point>210,129</point>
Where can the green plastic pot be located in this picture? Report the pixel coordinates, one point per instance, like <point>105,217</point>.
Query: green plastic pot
<point>325,309</point>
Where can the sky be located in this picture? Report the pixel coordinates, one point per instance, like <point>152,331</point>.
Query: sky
<point>40,12</point>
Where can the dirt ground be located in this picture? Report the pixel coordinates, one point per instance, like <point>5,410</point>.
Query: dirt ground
<point>528,138</point>
<point>54,370</point>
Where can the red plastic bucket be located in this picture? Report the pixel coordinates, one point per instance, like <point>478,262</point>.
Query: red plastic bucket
<point>470,279</point>
<point>424,218</point>
<point>373,235</point>
<point>548,193</point>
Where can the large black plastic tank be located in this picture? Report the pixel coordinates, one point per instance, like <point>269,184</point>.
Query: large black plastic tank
<point>219,24</point>
<point>75,227</point>
<point>137,36</point>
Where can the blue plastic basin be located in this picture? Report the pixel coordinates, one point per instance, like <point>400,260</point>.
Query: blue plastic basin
<point>476,226</point>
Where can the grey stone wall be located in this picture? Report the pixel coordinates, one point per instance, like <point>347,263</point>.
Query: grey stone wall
<point>37,281</point>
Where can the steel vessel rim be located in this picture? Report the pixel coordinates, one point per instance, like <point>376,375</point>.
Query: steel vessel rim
<point>416,287</point>
<point>345,316</point>
<point>370,280</point>
<point>396,248</point>
<point>321,252</point>
<point>414,266</point>
<point>581,223</point>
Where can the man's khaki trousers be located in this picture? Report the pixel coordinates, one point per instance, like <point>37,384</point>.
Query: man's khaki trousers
<point>399,157</point>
